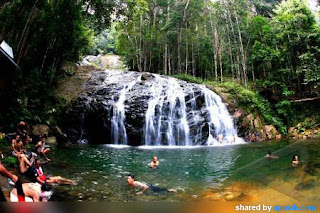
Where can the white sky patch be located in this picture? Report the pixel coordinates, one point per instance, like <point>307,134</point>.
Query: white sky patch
<point>314,7</point>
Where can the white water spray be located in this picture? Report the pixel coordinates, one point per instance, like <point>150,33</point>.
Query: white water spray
<point>118,128</point>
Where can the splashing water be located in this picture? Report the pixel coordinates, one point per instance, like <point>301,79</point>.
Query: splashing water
<point>167,121</point>
<point>220,124</point>
<point>118,128</point>
<point>166,117</point>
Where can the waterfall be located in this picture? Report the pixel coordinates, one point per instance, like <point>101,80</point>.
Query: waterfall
<point>156,110</point>
<point>166,116</point>
<point>221,126</point>
<point>167,121</point>
<point>118,128</point>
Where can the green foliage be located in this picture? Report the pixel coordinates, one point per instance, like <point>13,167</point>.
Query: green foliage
<point>252,102</point>
<point>284,110</point>
<point>4,143</point>
<point>309,123</point>
<point>10,161</point>
<point>188,78</point>
<point>280,43</point>
<point>104,42</point>
<point>44,34</point>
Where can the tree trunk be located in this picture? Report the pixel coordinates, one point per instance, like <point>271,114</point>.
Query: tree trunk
<point>165,62</point>
<point>220,62</point>
<point>141,45</point>
<point>179,49</point>
<point>187,51</point>
<point>244,67</point>
<point>193,60</point>
<point>215,46</point>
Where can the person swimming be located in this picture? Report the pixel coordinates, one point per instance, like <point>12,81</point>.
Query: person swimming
<point>144,186</point>
<point>154,163</point>
<point>270,156</point>
<point>295,161</point>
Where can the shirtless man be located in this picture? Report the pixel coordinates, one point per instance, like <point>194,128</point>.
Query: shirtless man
<point>42,178</point>
<point>155,163</point>
<point>26,165</point>
<point>16,145</point>
<point>144,186</point>
<point>34,191</point>
<point>41,149</point>
<point>6,173</point>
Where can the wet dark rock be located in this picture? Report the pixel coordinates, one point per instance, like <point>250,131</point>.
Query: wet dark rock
<point>90,116</point>
<point>146,76</point>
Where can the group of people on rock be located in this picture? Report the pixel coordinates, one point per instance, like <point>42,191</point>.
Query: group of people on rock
<point>37,186</point>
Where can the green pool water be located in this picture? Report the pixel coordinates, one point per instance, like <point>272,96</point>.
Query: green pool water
<point>101,170</point>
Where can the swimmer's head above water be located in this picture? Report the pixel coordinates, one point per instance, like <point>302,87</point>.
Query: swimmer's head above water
<point>130,179</point>
<point>155,159</point>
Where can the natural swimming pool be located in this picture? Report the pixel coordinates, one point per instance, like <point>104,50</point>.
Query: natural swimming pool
<point>101,170</point>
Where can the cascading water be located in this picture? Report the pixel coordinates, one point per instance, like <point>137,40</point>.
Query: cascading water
<point>221,125</point>
<point>131,108</point>
<point>166,117</point>
<point>118,128</point>
<point>166,121</point>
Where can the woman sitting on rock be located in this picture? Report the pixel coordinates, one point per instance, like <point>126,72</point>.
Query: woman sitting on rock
<point>42,149</point>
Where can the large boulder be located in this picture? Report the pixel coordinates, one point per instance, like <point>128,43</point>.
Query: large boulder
<point>269,132</point>
<point>39,129</point>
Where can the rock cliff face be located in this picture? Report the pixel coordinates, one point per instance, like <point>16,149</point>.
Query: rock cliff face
<point>120,107</point>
